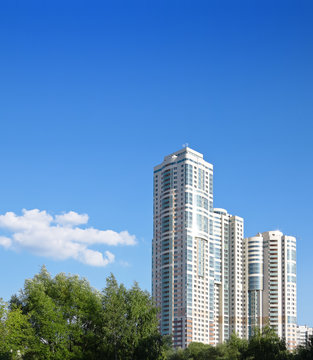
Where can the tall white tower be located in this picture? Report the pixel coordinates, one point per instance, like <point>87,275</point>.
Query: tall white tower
<point>182,266</point>
<point>194,252</point>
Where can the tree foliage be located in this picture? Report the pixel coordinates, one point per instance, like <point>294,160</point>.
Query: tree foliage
<point>266,345</point>
<point>64,318</point>
<point>130,323</point>
<point>305,352</point>
<point>17,338</point>
<point>261,346</point>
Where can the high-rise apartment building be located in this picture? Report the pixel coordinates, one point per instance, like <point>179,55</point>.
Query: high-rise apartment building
<point>231,291</point>
<point>304,335</point>
<point>207,280</point>
<point>272,292</point>
<point>198,255</point>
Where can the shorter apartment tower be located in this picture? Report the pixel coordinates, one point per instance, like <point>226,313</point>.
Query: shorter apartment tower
<point>237,288</point>
<point>272,284</point>
<point>304,335</point>
<point>230,294</point>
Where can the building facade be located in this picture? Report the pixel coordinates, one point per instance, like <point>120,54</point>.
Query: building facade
<point>197,254</point>
<point>231,290</point>
<point>254,251</point>
<point>304,335</point>
<point>272,284</point>
<point>207,279</point>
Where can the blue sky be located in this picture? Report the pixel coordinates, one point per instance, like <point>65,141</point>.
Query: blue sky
<point>94,94</point>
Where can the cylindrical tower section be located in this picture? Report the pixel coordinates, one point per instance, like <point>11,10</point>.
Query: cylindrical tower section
<point>255,281</point>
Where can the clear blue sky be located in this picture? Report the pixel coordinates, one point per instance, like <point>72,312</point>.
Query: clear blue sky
<point>93,94</point>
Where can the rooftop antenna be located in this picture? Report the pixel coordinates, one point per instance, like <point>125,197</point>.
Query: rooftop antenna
<point>185,145</point>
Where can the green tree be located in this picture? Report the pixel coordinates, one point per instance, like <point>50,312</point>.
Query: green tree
<point>262,346</point>
<point>305,352</point>
<point>266,345</point>
<point>178,354</point>
<point>4,350</point>
<point>64,313</point>
<point>130,324</point>
<point>64,318</point>
<point>196,350</point>
<point>200,351</point>
<point>115,318</point>
<point>17,338</point>
<point>236,348</point>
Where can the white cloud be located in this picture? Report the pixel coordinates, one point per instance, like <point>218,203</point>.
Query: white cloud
<point>5,241</point>
<point>60,236</point>
<point>124,263</point>
<point>71,219</point>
